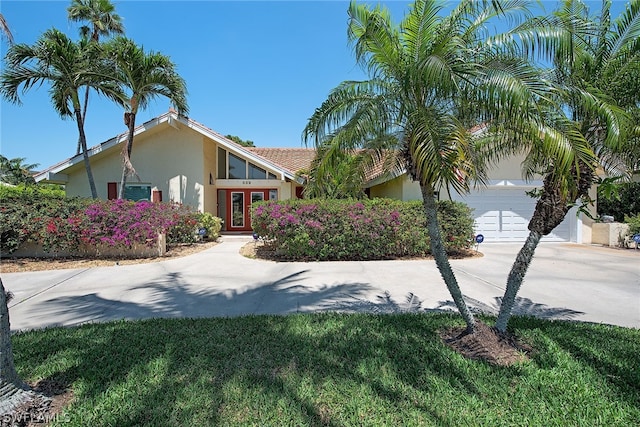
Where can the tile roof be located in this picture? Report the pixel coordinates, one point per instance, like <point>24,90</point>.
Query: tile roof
<point>291,159</point>
<point>295,159</point>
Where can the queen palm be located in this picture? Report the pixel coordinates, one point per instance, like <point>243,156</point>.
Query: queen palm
<point>66,67</point>
<point>143,77</point>
<point>431,79</point>
<point>589,56</point>
<point>102,21</point>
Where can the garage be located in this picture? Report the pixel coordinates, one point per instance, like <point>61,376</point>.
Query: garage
<point>502,215</point>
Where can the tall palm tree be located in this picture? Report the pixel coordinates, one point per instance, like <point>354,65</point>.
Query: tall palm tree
<point>4,27</point>
<point>66,66</point>
<point>102,21</point>
<point>431,79</point>
<point>588,54</point>
<point>144,76</point>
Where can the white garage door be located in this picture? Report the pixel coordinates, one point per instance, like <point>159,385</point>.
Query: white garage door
<point>502,215</point>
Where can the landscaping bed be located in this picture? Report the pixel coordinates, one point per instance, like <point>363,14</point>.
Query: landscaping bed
<point>16,265</point>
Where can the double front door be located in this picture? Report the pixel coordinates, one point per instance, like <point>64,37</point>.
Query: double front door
<point>234,206</point>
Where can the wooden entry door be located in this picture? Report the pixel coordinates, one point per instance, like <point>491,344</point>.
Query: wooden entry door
<point>239,207</point>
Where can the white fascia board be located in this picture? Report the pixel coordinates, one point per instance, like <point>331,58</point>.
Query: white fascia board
<point>53,178</point>
<point>239,150</point>
<point>55,169</point>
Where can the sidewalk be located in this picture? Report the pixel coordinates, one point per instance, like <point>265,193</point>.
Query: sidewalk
<point>565,281</point>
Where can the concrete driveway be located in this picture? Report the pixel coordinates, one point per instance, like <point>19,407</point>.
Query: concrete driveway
<point>565,281</point>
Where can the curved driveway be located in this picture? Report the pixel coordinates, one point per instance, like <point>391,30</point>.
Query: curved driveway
<point>565,281</point>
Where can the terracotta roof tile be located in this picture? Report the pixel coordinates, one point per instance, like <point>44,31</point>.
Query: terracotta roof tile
<point>291,159</point>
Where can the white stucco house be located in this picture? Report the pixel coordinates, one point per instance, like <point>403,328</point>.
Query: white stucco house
<point>181,160</point>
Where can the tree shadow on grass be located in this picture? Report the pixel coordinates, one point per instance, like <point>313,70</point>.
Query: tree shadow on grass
<point>143,373</point>
<point>104,358</point>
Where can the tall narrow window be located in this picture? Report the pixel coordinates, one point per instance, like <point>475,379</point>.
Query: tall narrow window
<point>222,163</point>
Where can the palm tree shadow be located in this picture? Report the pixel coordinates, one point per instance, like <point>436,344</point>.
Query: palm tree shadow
<point>171,297</point>
<point>521,307</point>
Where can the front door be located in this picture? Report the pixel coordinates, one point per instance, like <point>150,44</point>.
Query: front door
<point>239,206</point>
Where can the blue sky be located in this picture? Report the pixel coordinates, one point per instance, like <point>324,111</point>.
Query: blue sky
<point>253,69</point>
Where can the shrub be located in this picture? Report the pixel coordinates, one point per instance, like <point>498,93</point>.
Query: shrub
<point>30,214</point>
<point>634,224</point>
<point>40,190</point>
<point>620,201</point>
<point>61,224</point>
<point>211,224</point>
<point>325,229</point>
<point>123,222</point>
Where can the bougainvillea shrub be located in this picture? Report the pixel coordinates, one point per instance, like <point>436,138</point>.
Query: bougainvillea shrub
<point>63,224</point>
<point>357,229</point>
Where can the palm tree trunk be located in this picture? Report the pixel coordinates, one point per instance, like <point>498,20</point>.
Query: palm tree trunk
<point>127,167</point>
<point>441,258</point>
<point>85,152</point>
<point>516,277</point>
<point>84,117</point>
<point>550,211</point>
<point>8,372</point>
<point>12,388</point>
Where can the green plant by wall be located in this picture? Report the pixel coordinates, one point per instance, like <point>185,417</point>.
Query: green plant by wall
<point>634,224</point>
<point>619,200</point>
<point>326,229</point>
<point>40,190</point>
<point>211,224</point>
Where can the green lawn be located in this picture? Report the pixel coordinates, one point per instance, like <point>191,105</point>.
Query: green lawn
<point>332,369</point>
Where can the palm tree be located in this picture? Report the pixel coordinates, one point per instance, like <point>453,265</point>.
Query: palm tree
<point>144,76</point>
<point>431,79</point>
<point>66,66</point>
<point>15,171</point>
<point>589,55</point>
<point>12,388</point>
<point>4,27</point>
<point>102,20</point>
<point>335,175</point>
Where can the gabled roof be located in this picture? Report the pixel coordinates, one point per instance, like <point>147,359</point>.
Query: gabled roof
<point>292,159</point>
<point>286,169</point>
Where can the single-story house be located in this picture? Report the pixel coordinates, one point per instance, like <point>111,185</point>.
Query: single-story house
<point>181,160</point>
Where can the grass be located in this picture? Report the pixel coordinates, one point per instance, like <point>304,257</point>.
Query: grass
<point>332,369</point>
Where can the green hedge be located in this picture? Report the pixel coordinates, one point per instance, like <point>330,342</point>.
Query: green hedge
<point>358,230</point>
<point>63,224</point>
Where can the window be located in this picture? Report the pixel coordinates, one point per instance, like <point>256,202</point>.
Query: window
<point>272,176</point>
<point>222,163</point>
<point>137,192</point>
<point>256,173</point>
<point>237,167</point>
<point>273,194</point>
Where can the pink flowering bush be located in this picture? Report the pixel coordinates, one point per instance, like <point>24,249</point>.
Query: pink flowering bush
<point>357,230</point>
<point>125,223</point>
<point>62,224</point>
